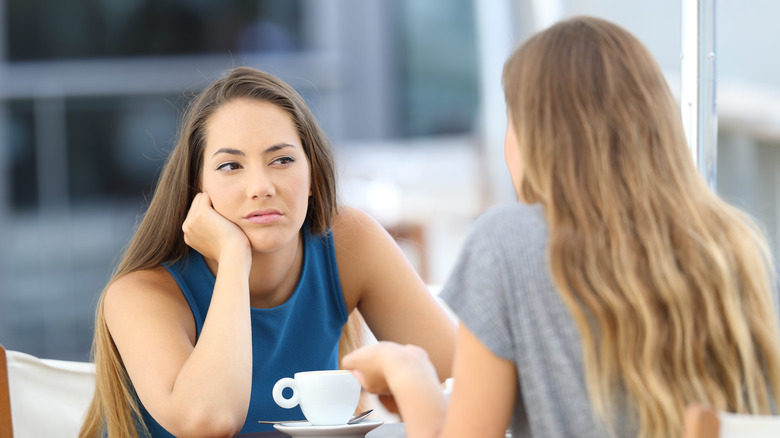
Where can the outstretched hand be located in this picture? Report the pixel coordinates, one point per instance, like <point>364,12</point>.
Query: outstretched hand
<point>405,380</point>
<point>367,365</point>
<point>210,233</point>
<point>372,363</point>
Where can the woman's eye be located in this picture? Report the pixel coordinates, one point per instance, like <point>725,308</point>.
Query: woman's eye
<point>231,165</point>
<point>283,160</point>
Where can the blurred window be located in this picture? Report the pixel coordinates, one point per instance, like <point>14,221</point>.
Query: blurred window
<point>115,146</point>
<point>56,29</point>
<point>110,144</point>
<point>23,158</point>
<point>438,67</point>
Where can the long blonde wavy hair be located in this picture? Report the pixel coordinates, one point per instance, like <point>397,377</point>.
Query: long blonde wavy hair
<point>159,238</point>
<point>671,287</point>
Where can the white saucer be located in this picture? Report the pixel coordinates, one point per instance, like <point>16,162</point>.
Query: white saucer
<point>357,430</point>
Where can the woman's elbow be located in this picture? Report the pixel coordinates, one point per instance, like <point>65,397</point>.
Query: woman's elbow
<point>209,423</point>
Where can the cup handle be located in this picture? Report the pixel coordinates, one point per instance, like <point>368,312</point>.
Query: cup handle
<point>287,403</point>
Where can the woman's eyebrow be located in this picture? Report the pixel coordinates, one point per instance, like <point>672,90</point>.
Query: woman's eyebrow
<point>232,151</point>
<point>229,151</point>
<point>278,146</point>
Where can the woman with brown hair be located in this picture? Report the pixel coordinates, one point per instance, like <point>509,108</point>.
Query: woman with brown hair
<point>244,270</point>
<point>620,289</point>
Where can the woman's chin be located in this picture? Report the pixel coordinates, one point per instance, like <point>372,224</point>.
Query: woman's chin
<point>268,244</point>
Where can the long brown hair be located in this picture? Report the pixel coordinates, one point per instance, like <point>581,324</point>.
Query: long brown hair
<point>669,285</point>
<point>159,238</point>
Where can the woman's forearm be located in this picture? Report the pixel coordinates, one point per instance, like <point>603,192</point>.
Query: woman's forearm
<point>418,394</point>
<point>216,379</point>
<point>406,372</point>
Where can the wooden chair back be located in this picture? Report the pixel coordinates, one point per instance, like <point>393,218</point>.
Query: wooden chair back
<point>6,427</point>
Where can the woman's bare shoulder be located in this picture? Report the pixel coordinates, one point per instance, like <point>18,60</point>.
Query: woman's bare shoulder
<point>148,286</point>
<point>146,301</point>
<point>365,253</point>
<point>157,278</point>
<point>354,225</point>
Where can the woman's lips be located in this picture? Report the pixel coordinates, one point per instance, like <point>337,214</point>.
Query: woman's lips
<point>263,216</point>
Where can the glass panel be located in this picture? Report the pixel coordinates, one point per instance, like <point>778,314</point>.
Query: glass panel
<point>115,146</point>
<point>23,159</point>
<point>437,68</point>
<point>56,29</point>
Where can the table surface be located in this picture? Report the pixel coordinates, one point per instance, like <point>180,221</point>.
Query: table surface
<point>389,430</point>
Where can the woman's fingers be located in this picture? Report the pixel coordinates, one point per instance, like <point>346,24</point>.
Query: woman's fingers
<point>367,365</point>
<point>207,231</point>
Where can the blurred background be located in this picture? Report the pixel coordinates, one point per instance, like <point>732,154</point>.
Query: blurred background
<point>409,92</point>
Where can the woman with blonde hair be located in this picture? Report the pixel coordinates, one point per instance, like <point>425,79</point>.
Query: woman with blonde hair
<point>620,289</point>
<point>244,270</point>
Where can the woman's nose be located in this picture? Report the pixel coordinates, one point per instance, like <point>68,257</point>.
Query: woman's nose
<point>260,185</point>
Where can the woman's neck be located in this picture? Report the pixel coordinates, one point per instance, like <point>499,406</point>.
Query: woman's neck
<point>275,275</point>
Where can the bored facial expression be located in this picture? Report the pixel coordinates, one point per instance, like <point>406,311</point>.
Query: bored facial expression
<point>256,171</point>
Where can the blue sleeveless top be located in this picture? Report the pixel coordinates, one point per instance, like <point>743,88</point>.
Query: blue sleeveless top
<point>300,335</point>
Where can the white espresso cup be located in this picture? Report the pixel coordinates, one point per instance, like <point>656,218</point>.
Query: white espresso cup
<point>327,398</point>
